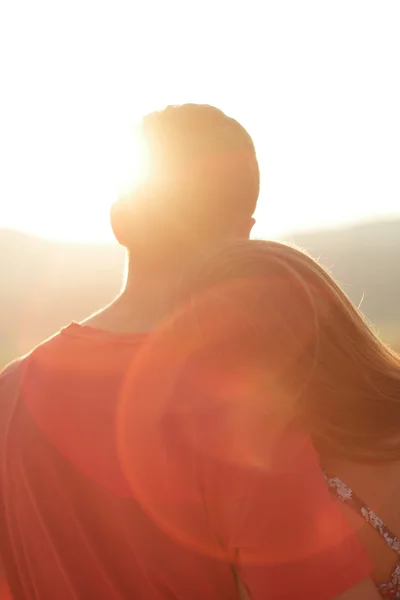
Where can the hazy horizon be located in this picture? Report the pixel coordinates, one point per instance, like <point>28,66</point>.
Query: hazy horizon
<point>110,240</point>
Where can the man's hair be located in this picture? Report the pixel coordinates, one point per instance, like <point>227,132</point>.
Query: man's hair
<point>203,177</point>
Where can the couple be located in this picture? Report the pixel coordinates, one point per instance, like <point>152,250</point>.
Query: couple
<point>174,444</point>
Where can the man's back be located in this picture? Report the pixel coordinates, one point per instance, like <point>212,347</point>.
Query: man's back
<point>70,527</point>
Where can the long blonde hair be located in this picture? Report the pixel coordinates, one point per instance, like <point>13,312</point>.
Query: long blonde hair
<point>283,311</point>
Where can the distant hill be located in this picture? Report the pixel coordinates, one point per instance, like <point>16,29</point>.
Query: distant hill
<point>365,261</point>
<point>45,285</point>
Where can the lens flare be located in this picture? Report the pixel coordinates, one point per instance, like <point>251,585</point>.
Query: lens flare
<point>180,423</point>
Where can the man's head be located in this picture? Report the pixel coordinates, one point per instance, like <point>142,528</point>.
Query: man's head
<point>202,186</point>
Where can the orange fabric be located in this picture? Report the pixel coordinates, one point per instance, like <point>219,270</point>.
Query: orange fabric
<point>158,504</point>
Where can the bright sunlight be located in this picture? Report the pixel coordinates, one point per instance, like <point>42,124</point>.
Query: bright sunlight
<point>314,82</point>
<point>130,163</point>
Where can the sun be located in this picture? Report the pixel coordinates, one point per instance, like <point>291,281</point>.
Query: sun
<point>64,174</point>
<point>129,164</point>
<point>105,165</point>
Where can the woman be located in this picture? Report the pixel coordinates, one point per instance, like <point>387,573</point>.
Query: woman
<point>338,380</point>
<point>274,353</point>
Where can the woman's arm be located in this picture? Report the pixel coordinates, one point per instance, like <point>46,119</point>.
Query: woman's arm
<point>289,537</point>
<point>365,590</point>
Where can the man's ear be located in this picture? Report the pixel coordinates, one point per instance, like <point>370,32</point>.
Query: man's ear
<point>252,222</point>
<point>243,229</point>
<point>247,228</point>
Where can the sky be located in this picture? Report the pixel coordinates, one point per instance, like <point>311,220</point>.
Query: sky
<point>316,83</point>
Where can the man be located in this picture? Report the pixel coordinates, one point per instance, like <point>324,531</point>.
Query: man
<point>202,186</point>
<point>72,524</point>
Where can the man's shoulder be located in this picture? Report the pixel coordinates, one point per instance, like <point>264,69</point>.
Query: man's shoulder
<point>11,382</point>
<point>12,374</point>
<point>13,378</point>
<point>12,369</point>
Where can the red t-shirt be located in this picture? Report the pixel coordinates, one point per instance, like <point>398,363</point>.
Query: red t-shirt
<point>111,493</point>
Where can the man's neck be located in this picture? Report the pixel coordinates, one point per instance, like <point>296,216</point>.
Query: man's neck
<point>145,302</point>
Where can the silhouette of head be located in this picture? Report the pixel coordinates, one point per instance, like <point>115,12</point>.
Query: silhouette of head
<point>202,185</point>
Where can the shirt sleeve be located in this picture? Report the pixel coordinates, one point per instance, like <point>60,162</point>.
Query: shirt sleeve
<point>274,515</point>
<point>10,383</point>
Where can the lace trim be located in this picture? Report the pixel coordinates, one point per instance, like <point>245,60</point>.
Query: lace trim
<point>346,494</point>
